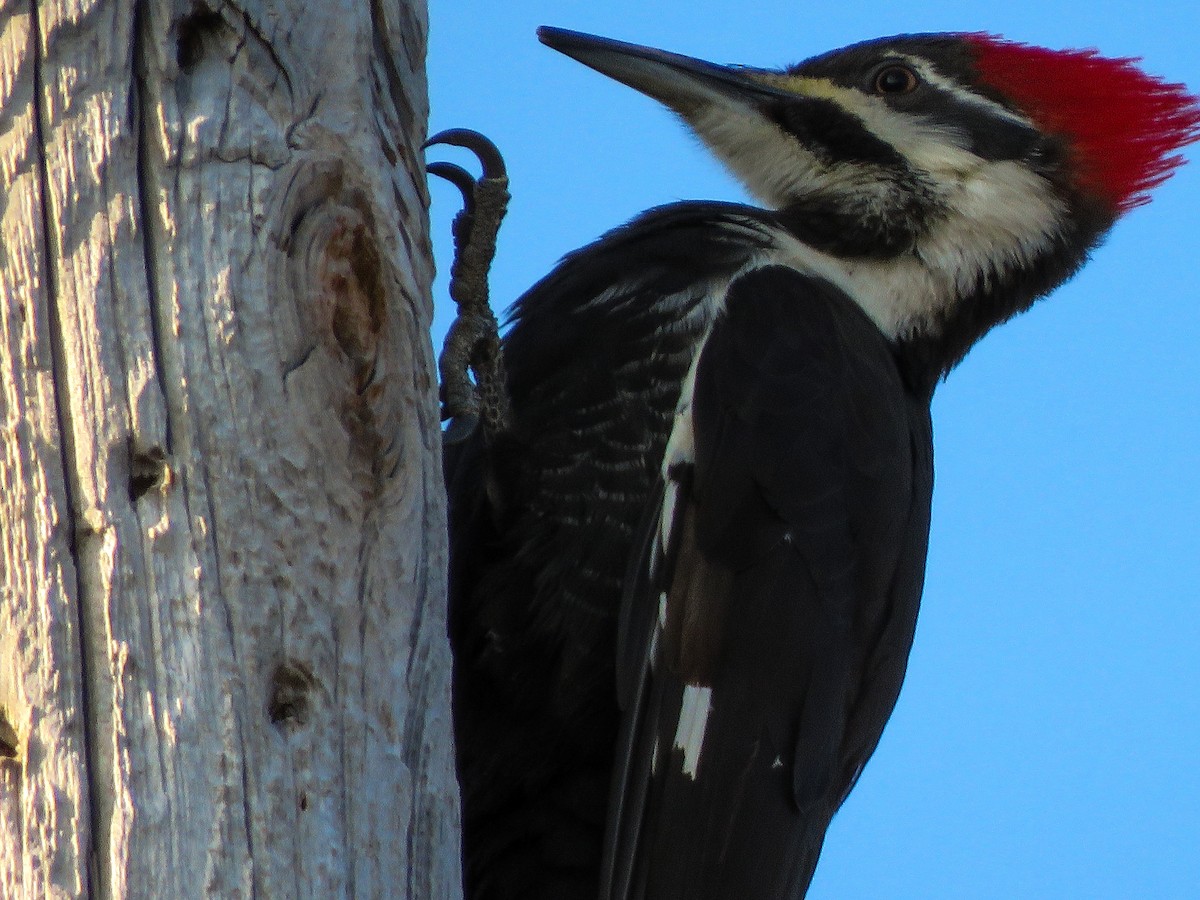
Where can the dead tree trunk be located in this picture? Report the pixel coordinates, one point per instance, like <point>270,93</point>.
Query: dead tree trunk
<point>223,665</point>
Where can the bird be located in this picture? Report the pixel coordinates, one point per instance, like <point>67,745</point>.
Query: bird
<point>686,564</point>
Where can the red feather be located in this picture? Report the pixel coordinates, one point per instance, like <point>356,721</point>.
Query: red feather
<point>1122,124</point>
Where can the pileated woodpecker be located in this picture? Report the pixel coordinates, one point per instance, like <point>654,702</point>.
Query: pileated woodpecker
<point>687,560</point>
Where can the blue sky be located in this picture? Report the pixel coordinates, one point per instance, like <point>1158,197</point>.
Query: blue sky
<point>1047,742</point>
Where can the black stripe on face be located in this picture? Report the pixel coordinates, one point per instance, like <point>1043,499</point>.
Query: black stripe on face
<point>989,134</point>
<point>831,133</point>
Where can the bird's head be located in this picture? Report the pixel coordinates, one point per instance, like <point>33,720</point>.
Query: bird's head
<point>980,157</point>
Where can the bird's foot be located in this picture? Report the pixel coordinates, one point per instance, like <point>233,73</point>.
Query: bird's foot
<point>473,341</point>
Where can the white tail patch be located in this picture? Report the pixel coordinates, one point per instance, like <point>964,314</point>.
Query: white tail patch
<point>693,720</point>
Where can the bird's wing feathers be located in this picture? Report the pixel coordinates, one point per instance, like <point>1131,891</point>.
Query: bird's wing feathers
<point>763,621</point>
<point>542,519</point>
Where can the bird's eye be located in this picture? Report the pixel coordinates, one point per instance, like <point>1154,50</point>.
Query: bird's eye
<point>895,79</point>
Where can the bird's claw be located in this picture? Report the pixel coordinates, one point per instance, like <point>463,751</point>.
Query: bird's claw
<point>473,342</point>
<point>487,152</point>
<point>460,178</point>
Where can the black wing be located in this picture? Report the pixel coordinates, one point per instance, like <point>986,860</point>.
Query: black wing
<point>542,523</point>
<point>767,626</point>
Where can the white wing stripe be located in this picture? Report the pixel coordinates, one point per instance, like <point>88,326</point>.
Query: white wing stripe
<point>693,720</point>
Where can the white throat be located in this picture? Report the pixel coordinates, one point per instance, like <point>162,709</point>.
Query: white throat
<point>997,220</point>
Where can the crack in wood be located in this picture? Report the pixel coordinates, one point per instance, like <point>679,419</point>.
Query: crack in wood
<point>67,449</point>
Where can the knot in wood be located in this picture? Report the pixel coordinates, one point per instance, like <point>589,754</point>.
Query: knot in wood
<point>350,279</point>
<point>290,692</point>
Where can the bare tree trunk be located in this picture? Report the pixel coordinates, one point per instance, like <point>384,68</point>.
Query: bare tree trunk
<point>223,665</point>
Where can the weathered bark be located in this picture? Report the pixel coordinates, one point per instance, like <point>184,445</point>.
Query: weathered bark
<point>223,667</point>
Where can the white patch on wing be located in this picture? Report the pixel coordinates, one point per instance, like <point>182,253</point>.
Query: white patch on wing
<point>657,630</point>
<point>681,442</point>
<point>693,311</point>
<point>693,721</point>
<point>667,516</point>
<point>681,445</point>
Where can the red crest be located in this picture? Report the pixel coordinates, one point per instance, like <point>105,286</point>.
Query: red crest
<point>1123,125</point>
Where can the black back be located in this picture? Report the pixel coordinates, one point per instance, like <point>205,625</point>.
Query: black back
<point>792,579</point>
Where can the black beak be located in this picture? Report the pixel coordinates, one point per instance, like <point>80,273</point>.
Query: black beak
<point>680,82</point>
